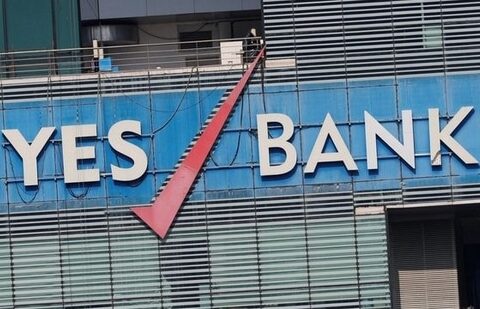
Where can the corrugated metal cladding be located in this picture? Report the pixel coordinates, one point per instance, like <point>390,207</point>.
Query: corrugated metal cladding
<point>334,39</point>
<point>298,251</point>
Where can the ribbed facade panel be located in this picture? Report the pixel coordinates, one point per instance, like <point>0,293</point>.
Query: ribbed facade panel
<point>358,39</point>
<point>297,251</point>
<point>372,261</point>
<point>6,289</point>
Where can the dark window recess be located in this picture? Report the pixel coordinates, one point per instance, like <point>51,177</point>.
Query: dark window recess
<point>197,39</point>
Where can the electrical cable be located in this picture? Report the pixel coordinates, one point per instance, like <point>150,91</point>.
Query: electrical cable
<point>237,150</point>
<point>150,109</point>
<point>239,133</point>
<point>17,185</point>
<point>167,122</point>
<point>68,187</point>
<point>171,38</point>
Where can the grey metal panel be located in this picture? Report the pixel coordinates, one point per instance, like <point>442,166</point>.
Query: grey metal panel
<point>122,8</point>
<point>140,8</point>
<point>167,7</point>
<point>251,4</point>
<point>205,6</point>
<point>88,9</point>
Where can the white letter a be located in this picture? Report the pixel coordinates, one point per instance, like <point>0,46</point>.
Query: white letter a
<point>329,129</point>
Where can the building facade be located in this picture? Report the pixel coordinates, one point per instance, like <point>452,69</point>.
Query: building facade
<point>346,177</point>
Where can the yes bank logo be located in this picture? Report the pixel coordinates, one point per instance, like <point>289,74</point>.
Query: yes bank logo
<point>404,147</point>
<point>160,215</point>
<point>166,204</point>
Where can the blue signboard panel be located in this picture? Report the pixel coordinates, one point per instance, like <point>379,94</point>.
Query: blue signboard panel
<point>170,120</point>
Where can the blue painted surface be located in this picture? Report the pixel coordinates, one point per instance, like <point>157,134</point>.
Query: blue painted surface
<point>170,121</point>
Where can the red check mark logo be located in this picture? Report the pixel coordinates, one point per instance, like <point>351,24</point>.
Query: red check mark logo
<point>160,215</point>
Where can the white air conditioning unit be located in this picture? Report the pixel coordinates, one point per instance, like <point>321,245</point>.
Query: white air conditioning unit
<point>231,52</point>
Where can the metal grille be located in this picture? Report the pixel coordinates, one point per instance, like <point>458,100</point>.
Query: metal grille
<point>295,251</point>
<point>357,39</point>
<point>424,272</point>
